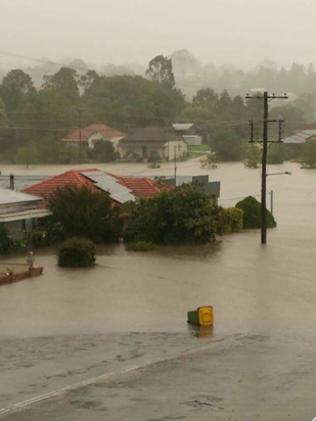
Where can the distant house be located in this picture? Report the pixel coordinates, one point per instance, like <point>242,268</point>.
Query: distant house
<point>211,188</point>
<point>188,132</point>
<point>92,134</point>
<point>152,143</point>
<point>20,211</point>
<point>120,189</point>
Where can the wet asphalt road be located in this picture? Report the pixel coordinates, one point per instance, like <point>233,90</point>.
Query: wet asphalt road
<point>239,377</point>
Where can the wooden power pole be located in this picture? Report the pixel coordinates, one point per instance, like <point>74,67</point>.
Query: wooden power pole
<point>265,97</point>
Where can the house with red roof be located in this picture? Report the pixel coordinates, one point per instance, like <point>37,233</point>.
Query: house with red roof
<point>92,134</point>
<point>120,189</point>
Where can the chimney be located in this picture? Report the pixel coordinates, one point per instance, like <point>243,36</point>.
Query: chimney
<point>11,181</point>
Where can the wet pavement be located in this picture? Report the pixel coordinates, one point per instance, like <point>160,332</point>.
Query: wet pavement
<point>73,328</point>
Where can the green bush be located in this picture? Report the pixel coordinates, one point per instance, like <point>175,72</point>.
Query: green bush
<point>5,242</point>
<point>252,213</point>
<point>76,252</point>
<point>140,246</point>
<point>229,220</point>
<point>183,215</point>
<point>252,156</point>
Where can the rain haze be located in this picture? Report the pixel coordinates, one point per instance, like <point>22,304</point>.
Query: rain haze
<point>157,210</point>
<point>241,32</point>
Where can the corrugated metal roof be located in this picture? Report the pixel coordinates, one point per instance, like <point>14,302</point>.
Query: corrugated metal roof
<point>20,181</point>
<point>10,196</point>
<point>182,126</point>
<point>300,137</point>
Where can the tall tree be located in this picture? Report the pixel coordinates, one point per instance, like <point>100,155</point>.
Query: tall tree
<point>160,70</point>
<point>65,81</point>
<point>206,98</point>
<point>17,86</point>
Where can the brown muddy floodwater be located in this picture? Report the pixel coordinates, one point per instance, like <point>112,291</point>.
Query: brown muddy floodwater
<point>253,288</point>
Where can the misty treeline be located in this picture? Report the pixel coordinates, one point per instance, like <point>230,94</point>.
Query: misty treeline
<point>34,119</point>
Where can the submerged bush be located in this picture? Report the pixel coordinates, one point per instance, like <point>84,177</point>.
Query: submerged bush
<point>76,252</point>
<point>183,215</point>
<point>252,213</point>
<point>140,246</point>
<point>5,242</point>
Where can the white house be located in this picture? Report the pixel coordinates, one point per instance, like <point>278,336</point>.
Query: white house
<point>188,132</point>
<point>152,143</point>
<point>93,134</point>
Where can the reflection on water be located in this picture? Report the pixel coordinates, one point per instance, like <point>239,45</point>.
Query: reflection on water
<point>252,288</point>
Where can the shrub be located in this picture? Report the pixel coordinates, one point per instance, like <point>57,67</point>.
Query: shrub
<point>5,242</point>
<point>252,156</point>
<point>183,215</point>
<point>252,213</point>
<point>140,246</point>
<point>76,252</point>
<point>229,220</point>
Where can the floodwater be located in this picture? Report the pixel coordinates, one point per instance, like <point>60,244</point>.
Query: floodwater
<point>112,342</point>
<point>252,288</point>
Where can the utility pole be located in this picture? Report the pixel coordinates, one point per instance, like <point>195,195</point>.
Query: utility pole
<point>80,134</point>
<point>175,166</point>
<point>265,140</point>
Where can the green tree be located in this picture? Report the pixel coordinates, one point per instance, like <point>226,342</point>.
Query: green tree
<point>308,157</point>
<point>160,70</point>
<point>207,99</point>
<point>227,145</point>
<point>64,81</point>
<point>82,212</point>
<point>3,115</point>
<point>17,87</point>
<point>181,216</point>
<point>103,151</point>
<point>276,153</point>
<point>131,101</point>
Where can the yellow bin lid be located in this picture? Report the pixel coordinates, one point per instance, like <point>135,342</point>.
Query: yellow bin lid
<point>206,316</point>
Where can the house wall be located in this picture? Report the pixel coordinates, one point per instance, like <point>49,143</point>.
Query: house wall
<point>140,148</point>
<point>192,140</point>
<point>176,148</point>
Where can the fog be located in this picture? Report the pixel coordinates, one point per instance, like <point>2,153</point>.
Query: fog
<point>242,32</point>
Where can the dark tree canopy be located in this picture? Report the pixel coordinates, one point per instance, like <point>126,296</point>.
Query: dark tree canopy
<point>181,216</point>
<point>65,81</point>
<point>160,70</point>
<point>17,86</point>
<point>82,212</point>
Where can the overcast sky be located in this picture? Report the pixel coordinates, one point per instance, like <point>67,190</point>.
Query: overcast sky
<point>242,32</point>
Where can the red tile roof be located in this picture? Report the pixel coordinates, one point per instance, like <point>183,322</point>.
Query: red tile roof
<point>140,187</point>
<point>86,132</point>
<point>70,178</point>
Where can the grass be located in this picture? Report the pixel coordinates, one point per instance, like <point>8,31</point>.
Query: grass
<point>197,150</point>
